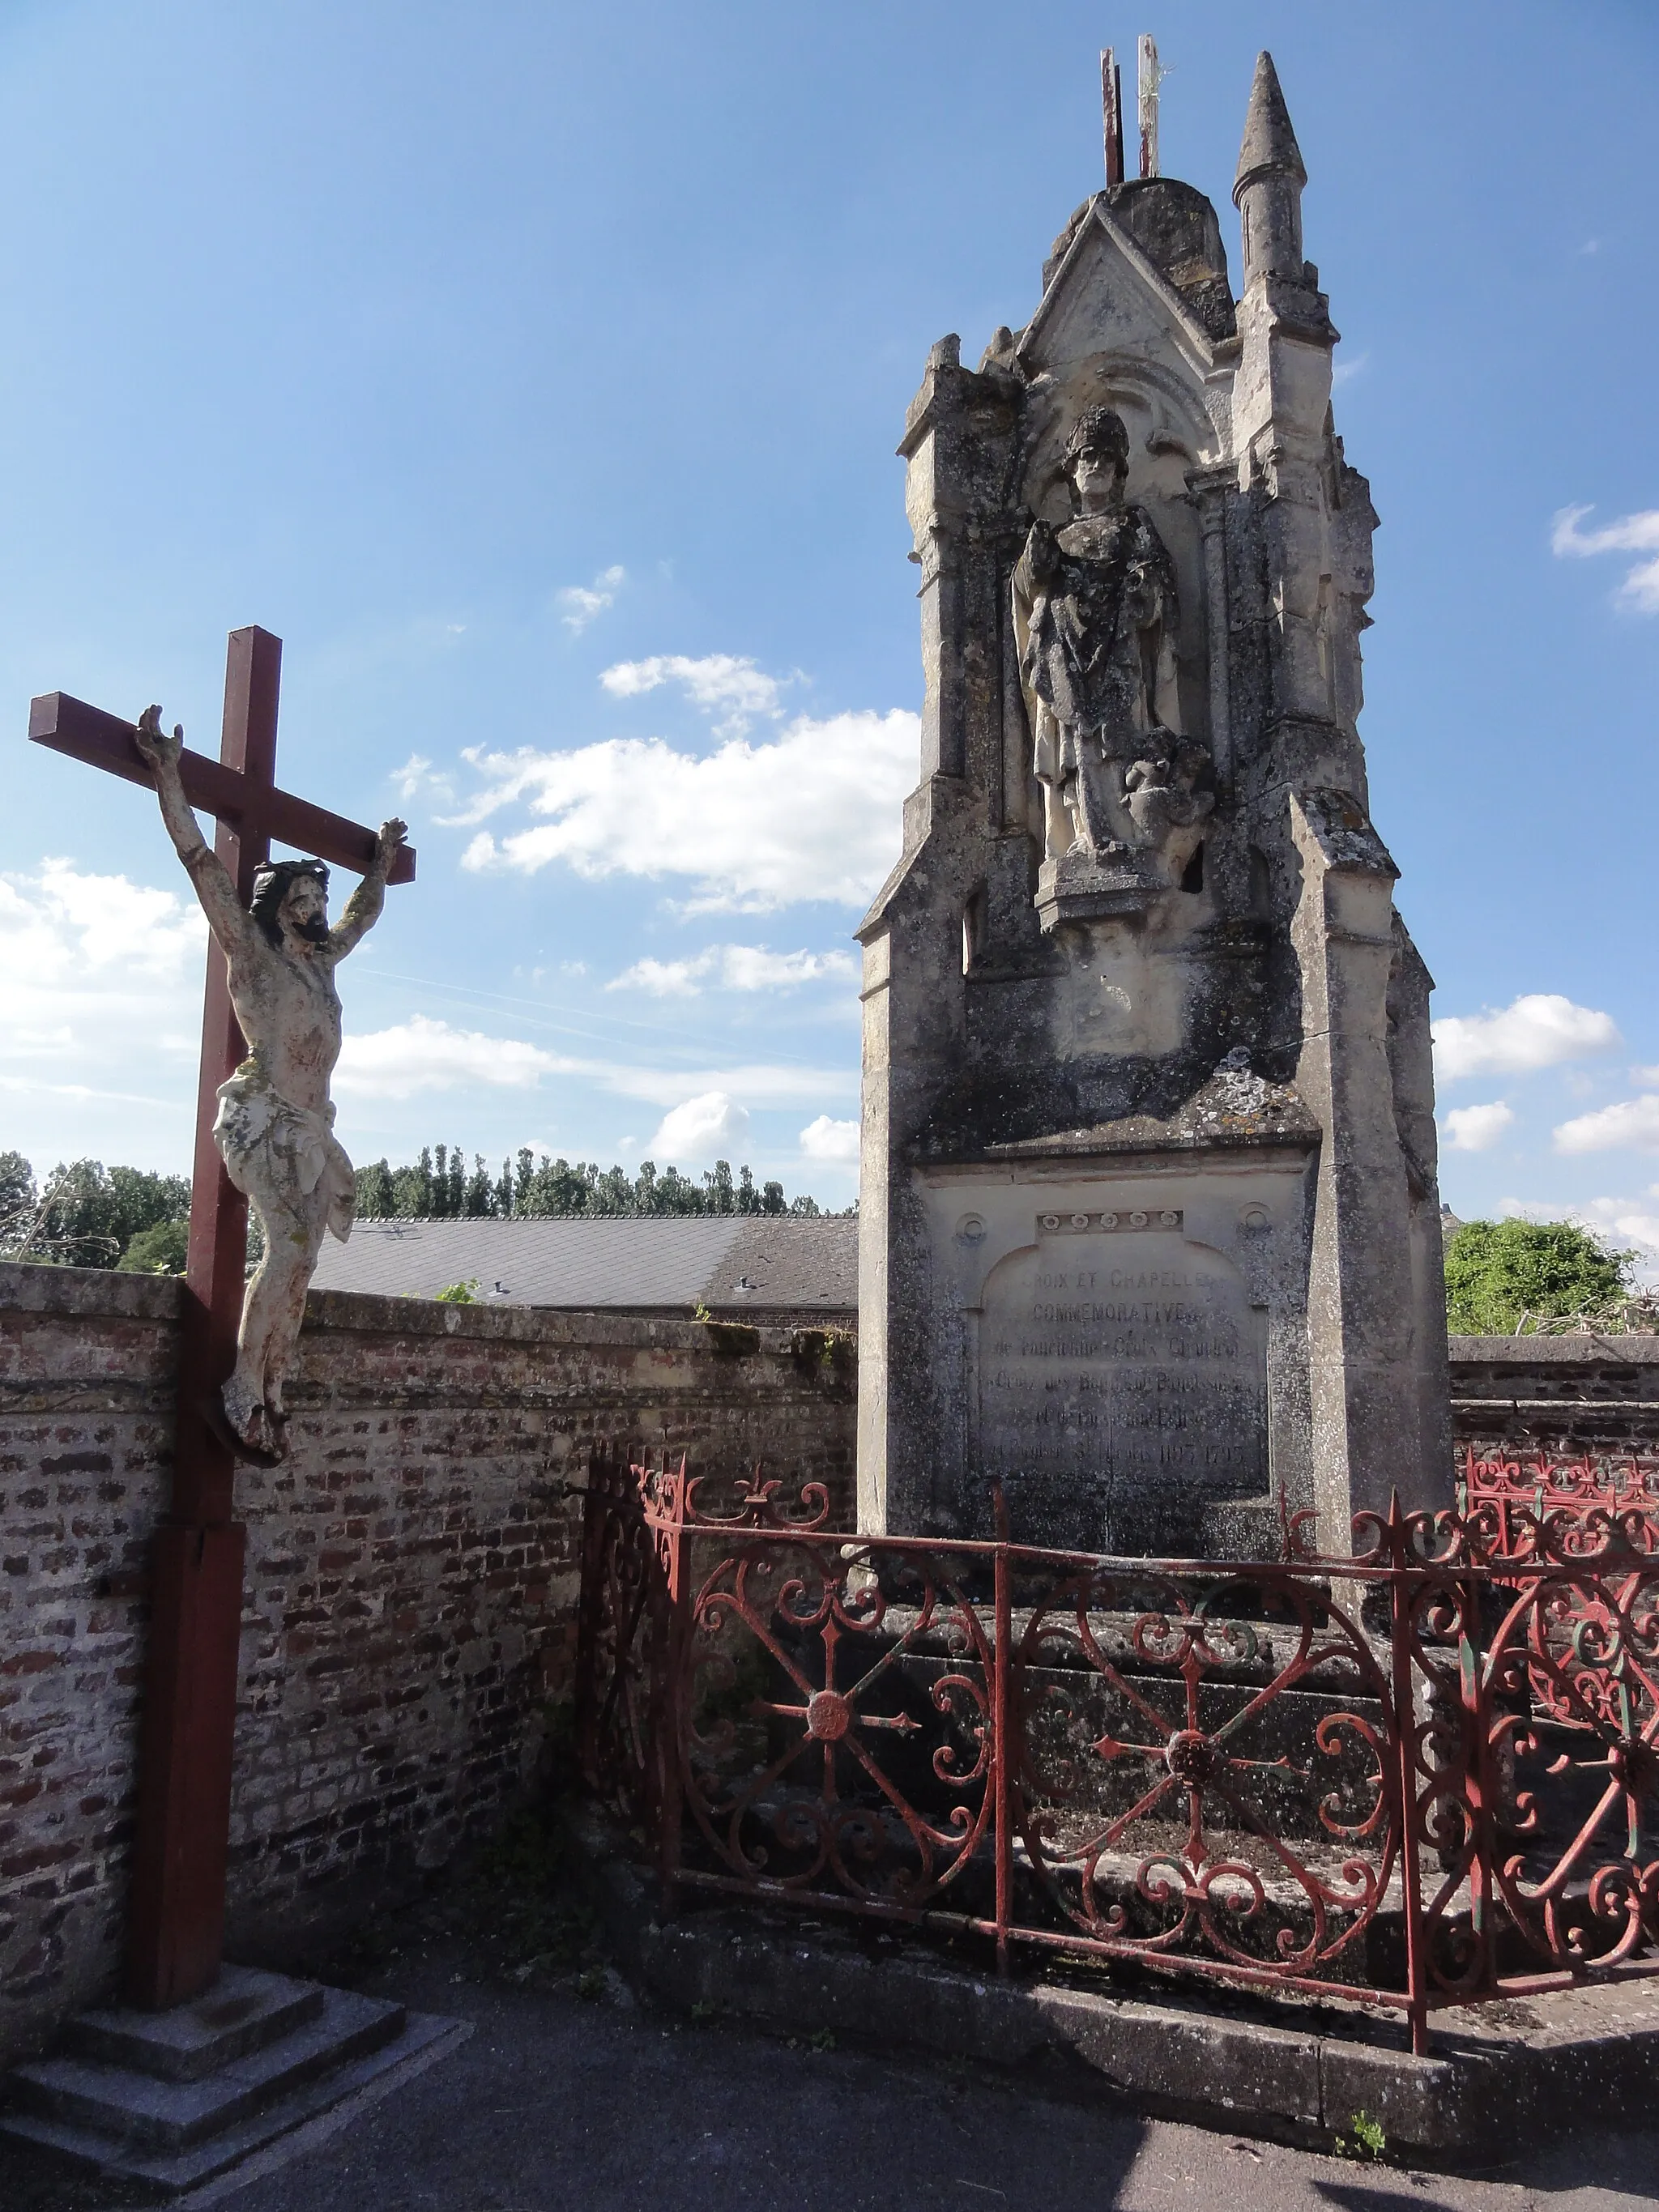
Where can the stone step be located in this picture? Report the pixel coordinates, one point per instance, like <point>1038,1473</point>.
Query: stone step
<point>243,2012</point>
<point>138,2109</point>
<point>423,2038</point>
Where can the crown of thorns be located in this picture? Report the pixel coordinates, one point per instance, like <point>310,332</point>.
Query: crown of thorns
<point>271,883</point>
<point>1099,430</point>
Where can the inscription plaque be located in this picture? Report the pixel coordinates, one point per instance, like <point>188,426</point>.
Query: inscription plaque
<point>1122,1382</point>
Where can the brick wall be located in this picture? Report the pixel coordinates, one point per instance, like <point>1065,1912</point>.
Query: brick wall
<point>410,1592</point>
<point>1565,1395</point>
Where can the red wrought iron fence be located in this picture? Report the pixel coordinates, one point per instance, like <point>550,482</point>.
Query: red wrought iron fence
<point>1425,1775</point>
<point>1597,1494</point>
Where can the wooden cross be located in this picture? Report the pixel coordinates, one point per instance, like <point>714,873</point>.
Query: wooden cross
<point>176,1936</point>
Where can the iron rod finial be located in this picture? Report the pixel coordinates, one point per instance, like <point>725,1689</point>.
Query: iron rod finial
<point>1151,76</point>
<point>1111,113</point>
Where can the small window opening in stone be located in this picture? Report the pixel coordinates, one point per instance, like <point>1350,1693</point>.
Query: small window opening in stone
<point>1261,893</point>
<point>1193,878</point>
<point>973,931</point>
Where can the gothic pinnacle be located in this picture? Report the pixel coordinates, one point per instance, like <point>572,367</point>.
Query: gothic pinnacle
<point>1269,147</point>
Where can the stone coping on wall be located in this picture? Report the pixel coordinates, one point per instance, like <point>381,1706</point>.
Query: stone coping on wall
<point>27,1287</point>
<point>102,1293</point>
<point>1576,1351</point>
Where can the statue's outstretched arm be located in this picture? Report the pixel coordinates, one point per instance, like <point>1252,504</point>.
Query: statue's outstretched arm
<point>227,917</point>
<point>364,908</point>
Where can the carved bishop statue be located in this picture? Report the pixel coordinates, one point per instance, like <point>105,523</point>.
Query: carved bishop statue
<point>275,1126</point>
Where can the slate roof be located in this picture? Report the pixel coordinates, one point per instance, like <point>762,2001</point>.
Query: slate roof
<point>782,1262</point>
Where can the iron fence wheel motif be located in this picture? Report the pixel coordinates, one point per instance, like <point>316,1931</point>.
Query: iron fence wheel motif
<point>796,1756</point>
<point>1197,1741</point>
<point>1424,1773</point>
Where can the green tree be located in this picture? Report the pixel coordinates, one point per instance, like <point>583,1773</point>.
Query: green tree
<point>479,1199</point>
<point>18,1200</point>
<point>160,1249</point>
<point>93,1212</point>
<point>375,1200</point>
<point>17,1191</point>
<point>1499,1272</point>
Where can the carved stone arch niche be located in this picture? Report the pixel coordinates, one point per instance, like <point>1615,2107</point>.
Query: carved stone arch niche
<point>1121,1379</point>
<point>1169,435</point>
<point>1170,429</point>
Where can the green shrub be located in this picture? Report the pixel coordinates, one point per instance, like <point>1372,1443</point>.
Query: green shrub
<point>1498,1272</point>
<point>160,1249</point>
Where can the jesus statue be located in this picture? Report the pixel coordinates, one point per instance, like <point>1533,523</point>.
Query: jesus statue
<point>275,1126</point>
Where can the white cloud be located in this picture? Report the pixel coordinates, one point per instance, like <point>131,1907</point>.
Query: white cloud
<point>1633,1123</point>
<point>1342,370</point>
<point>733,968</point>
<point>416,778</point>
<point>665,979</point>
<point>1632,533</point>
<point>718,682</point>
<point>1631,1220</point>
<point>423,1054</point>
<point>60,926</point>
<point>97,973</point>
<point>1540,1030</point>
<point>765,1084</point>
<point>1478,1128</point>
<point>814,814</point>
<point>583,602</point>
<point>702,1128</point>
<point>835,1142</point>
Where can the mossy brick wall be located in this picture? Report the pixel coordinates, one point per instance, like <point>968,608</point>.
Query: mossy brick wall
<point>410,1603</point>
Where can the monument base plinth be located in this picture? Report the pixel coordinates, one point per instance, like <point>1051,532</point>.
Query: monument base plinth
<point>174,2098</point>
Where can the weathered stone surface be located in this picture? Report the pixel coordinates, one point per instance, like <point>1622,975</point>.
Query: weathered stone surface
<point>1140,954</point>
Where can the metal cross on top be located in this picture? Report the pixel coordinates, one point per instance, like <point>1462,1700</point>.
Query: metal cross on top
<point>178,1910</point>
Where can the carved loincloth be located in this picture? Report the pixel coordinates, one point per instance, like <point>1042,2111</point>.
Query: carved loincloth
<point>264,1137</point>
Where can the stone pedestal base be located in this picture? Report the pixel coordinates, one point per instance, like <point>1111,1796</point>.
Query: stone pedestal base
<point>1082,887</point>
<point>174,2098</point>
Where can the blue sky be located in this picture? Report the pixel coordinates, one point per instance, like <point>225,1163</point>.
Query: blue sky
<point>535,372</point>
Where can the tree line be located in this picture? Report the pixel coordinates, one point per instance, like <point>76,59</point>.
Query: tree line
<point>441,1186</point>
<point>86,1215</point>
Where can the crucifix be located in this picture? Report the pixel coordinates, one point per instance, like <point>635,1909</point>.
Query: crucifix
<point>279,1148</point>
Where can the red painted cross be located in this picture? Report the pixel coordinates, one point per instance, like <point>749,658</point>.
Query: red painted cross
<point>177,1922</point>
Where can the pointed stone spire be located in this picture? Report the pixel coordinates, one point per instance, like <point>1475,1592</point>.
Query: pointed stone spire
<point>1269,149</point>
<point>1268,190</point>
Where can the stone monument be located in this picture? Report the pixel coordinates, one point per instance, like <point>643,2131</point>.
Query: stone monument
<point>1150,1226</point>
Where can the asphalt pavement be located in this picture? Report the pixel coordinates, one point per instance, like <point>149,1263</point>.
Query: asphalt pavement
<point>570,2096</point>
